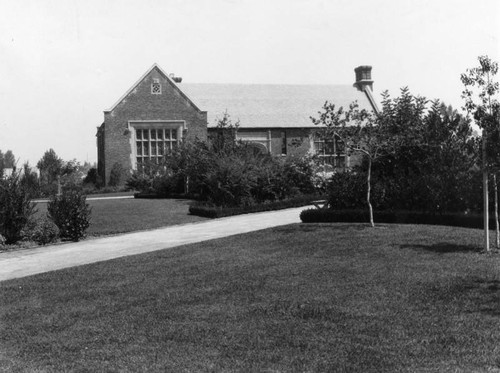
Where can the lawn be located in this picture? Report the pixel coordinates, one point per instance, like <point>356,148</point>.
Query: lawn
<point>315,297</point>
<point>112,216</point>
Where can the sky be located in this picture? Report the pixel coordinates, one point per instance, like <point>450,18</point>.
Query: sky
<point>63,62</point>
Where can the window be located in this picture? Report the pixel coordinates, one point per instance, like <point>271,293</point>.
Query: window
<point>152,144</point>
<point>156,87</point>
<point>331,151</point>
<point>283,143</point>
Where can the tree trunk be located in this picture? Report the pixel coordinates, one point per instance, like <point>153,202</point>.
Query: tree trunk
<point>368,185</point>
<point>497,225</point>
<point>486,216</point>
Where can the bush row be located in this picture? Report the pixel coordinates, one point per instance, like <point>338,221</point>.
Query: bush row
<point>210,211</point>
<point>393,217</point>
<point>429,193</point>
<point>230,174</point>
<point>68,215</point>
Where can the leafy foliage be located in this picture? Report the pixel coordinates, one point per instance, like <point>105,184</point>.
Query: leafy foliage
<point>16,208</point>
<point>415,157</point>
<point>70,213</point>
<point>30,181</point>
<point>346,190</point>
<point>42,231</point>
<point>9,160</point>
<point>226,172</point>
<point>92,177</point>
<point>50,166</point>
<point>116,174</point>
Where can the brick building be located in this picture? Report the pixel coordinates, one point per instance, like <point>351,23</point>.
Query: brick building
<point>157,112</point>
<point>147,121</point>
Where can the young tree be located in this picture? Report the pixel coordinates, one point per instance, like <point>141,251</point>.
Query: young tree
<point>223,139</point>
<point>360,133</point>
<point>493,161</point>
<point>481,100</point>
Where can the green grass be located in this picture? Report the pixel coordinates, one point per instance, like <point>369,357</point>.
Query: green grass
<point>112,216</point>
<point>318,298</point>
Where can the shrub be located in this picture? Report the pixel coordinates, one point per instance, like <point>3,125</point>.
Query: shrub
<point>42,231</point>
<point>70,213</point>
<point>226,173</point>
<point>92,177</point>
<point>301,173</point>
<point>16,208</point>
<point>115,175</point>
<point>346,190</point>
<point>229,181</point>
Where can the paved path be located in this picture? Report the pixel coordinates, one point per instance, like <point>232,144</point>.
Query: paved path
<point>49,258</point>
<point>45,200</point>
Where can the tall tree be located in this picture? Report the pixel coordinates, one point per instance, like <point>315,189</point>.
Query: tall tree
<point>9,160</point>
<point>50,166</point>
<point>481,100</point>
<point>29,181</point>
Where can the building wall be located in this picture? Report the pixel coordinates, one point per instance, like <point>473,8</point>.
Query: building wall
<point>140,105</point>
<point>299,141</point>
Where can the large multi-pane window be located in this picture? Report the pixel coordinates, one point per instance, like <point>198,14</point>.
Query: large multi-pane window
<point>153,143</point>
<point>331,151</point>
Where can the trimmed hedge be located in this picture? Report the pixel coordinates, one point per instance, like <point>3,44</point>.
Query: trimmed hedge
<point>209,211</point>
<point>393,217</point>
<point>140,195</point>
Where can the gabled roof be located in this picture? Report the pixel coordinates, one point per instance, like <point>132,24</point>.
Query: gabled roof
<point>155,66</point>
<point>271,105</point>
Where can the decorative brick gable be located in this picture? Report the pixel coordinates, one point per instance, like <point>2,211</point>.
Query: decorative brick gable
<point>153,102</point>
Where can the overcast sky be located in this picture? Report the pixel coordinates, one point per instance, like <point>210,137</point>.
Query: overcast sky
<point>62,62</point>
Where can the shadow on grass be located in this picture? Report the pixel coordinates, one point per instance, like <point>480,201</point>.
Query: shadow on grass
<point>444,247</point>
<point>487,296</point>
<point>470,295</point>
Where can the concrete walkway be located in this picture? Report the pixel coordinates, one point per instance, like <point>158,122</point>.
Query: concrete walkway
<point>49,258</point>
<point>45,200</point>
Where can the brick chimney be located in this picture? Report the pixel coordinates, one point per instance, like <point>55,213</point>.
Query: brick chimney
<point>176,79</point>
<point>363,77</point>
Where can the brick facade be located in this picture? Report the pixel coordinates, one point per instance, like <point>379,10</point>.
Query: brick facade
<point>141,108</point>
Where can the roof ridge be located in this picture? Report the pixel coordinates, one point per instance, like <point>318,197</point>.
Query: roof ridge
<point>276,84</point>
